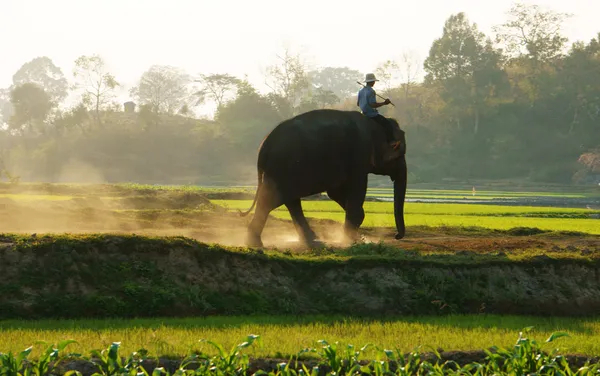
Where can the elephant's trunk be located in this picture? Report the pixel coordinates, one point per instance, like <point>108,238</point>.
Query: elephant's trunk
<point>399,196</point>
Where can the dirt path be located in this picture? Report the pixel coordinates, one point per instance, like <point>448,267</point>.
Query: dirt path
<point>227,228</point>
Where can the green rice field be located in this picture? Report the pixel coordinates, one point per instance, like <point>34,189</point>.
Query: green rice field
<point>380,214</point>
<point>286,335</point>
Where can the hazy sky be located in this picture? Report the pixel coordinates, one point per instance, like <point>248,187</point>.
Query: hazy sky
<point>242,36</point>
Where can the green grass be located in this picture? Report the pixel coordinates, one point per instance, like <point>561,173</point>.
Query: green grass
<point>420,208</point>
<point>380,214</point>
<point>499,194</point>
<point>283,335</point>
<point>439,197</point>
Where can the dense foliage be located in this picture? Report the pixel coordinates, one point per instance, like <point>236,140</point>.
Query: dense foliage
<point>524,104</point>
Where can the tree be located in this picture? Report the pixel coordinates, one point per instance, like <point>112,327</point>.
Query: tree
<point>580,85</point>
<point>409,68</point>
<point>288,81</point>
<point>74,117</point>
<point>248,118</point>
<point>164,88</point>
<point>591,160</point>
<point>97,83</point>
<point>319,99</point>
<point>324,98</point>
<point>6,108</point>
<point>341,81</point>
<point>532,31</point>
<point>217,87</point>
<point>533,42</point>
<point>45,74</point>
<point>31,106</point>
<point>466,66</point>
<point>386,73</point>
<point>403,71</point>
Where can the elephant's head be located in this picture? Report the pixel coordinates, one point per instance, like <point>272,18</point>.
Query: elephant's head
<point>397,171</point>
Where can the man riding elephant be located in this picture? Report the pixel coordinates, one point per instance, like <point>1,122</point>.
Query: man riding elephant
<point>368,105</point>
<point>328,151</point>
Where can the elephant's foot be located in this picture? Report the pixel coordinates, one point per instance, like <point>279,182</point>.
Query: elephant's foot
<point>253,240</point>
<point>353,237</point>
<point>315,244</point>
<point>312,242</point>
<point>360,239</point>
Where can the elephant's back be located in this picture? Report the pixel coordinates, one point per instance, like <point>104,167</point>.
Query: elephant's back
<point>320,144</point>
<point>315,133</point>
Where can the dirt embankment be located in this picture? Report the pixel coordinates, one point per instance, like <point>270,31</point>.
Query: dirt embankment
<point>104,276</point>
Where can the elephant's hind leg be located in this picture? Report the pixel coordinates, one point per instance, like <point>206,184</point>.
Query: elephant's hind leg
<point>268,200</point>
<point>307,235</point>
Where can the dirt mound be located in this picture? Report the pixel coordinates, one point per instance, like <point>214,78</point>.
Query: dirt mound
<point>107,275</point>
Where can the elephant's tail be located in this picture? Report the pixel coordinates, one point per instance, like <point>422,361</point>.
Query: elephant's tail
<point>243,214</point>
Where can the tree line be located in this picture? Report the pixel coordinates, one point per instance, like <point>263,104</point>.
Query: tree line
<point>522,103</point>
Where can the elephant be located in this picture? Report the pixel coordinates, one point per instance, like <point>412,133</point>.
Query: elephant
<point>325,150</point>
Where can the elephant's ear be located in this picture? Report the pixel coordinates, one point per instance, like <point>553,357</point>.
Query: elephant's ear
<point>378,146</point>
<point>372,157</point>
<point>398,132</point>
<point>378,135</point>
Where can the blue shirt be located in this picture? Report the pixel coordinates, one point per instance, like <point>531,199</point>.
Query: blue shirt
<point>366,95</point>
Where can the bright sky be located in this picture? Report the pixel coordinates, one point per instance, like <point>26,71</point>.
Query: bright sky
<point>242,36</point>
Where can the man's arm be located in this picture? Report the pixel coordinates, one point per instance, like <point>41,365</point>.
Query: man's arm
<point>373,101</point>
<point>379,104</point>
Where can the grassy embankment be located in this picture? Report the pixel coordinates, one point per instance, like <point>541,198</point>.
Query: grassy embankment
<point>74,276</point>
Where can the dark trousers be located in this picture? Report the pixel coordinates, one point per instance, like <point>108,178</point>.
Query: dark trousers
<point>387,126</point>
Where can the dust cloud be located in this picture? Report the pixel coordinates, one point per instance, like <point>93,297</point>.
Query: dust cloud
<point>81,200</point>
<point>77,171</point>
<point>102,208</point>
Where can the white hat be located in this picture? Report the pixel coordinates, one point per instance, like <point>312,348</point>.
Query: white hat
<point>370,77</point>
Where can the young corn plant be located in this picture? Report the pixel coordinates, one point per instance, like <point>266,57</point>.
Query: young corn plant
<point>283,369</point>
<point>11,365</point>
<point>225,363</point>
<point>52,356</point>
<point>340,361</point>
<point>408,365</point>
<point>110,363</point>
<point>524,358</point>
